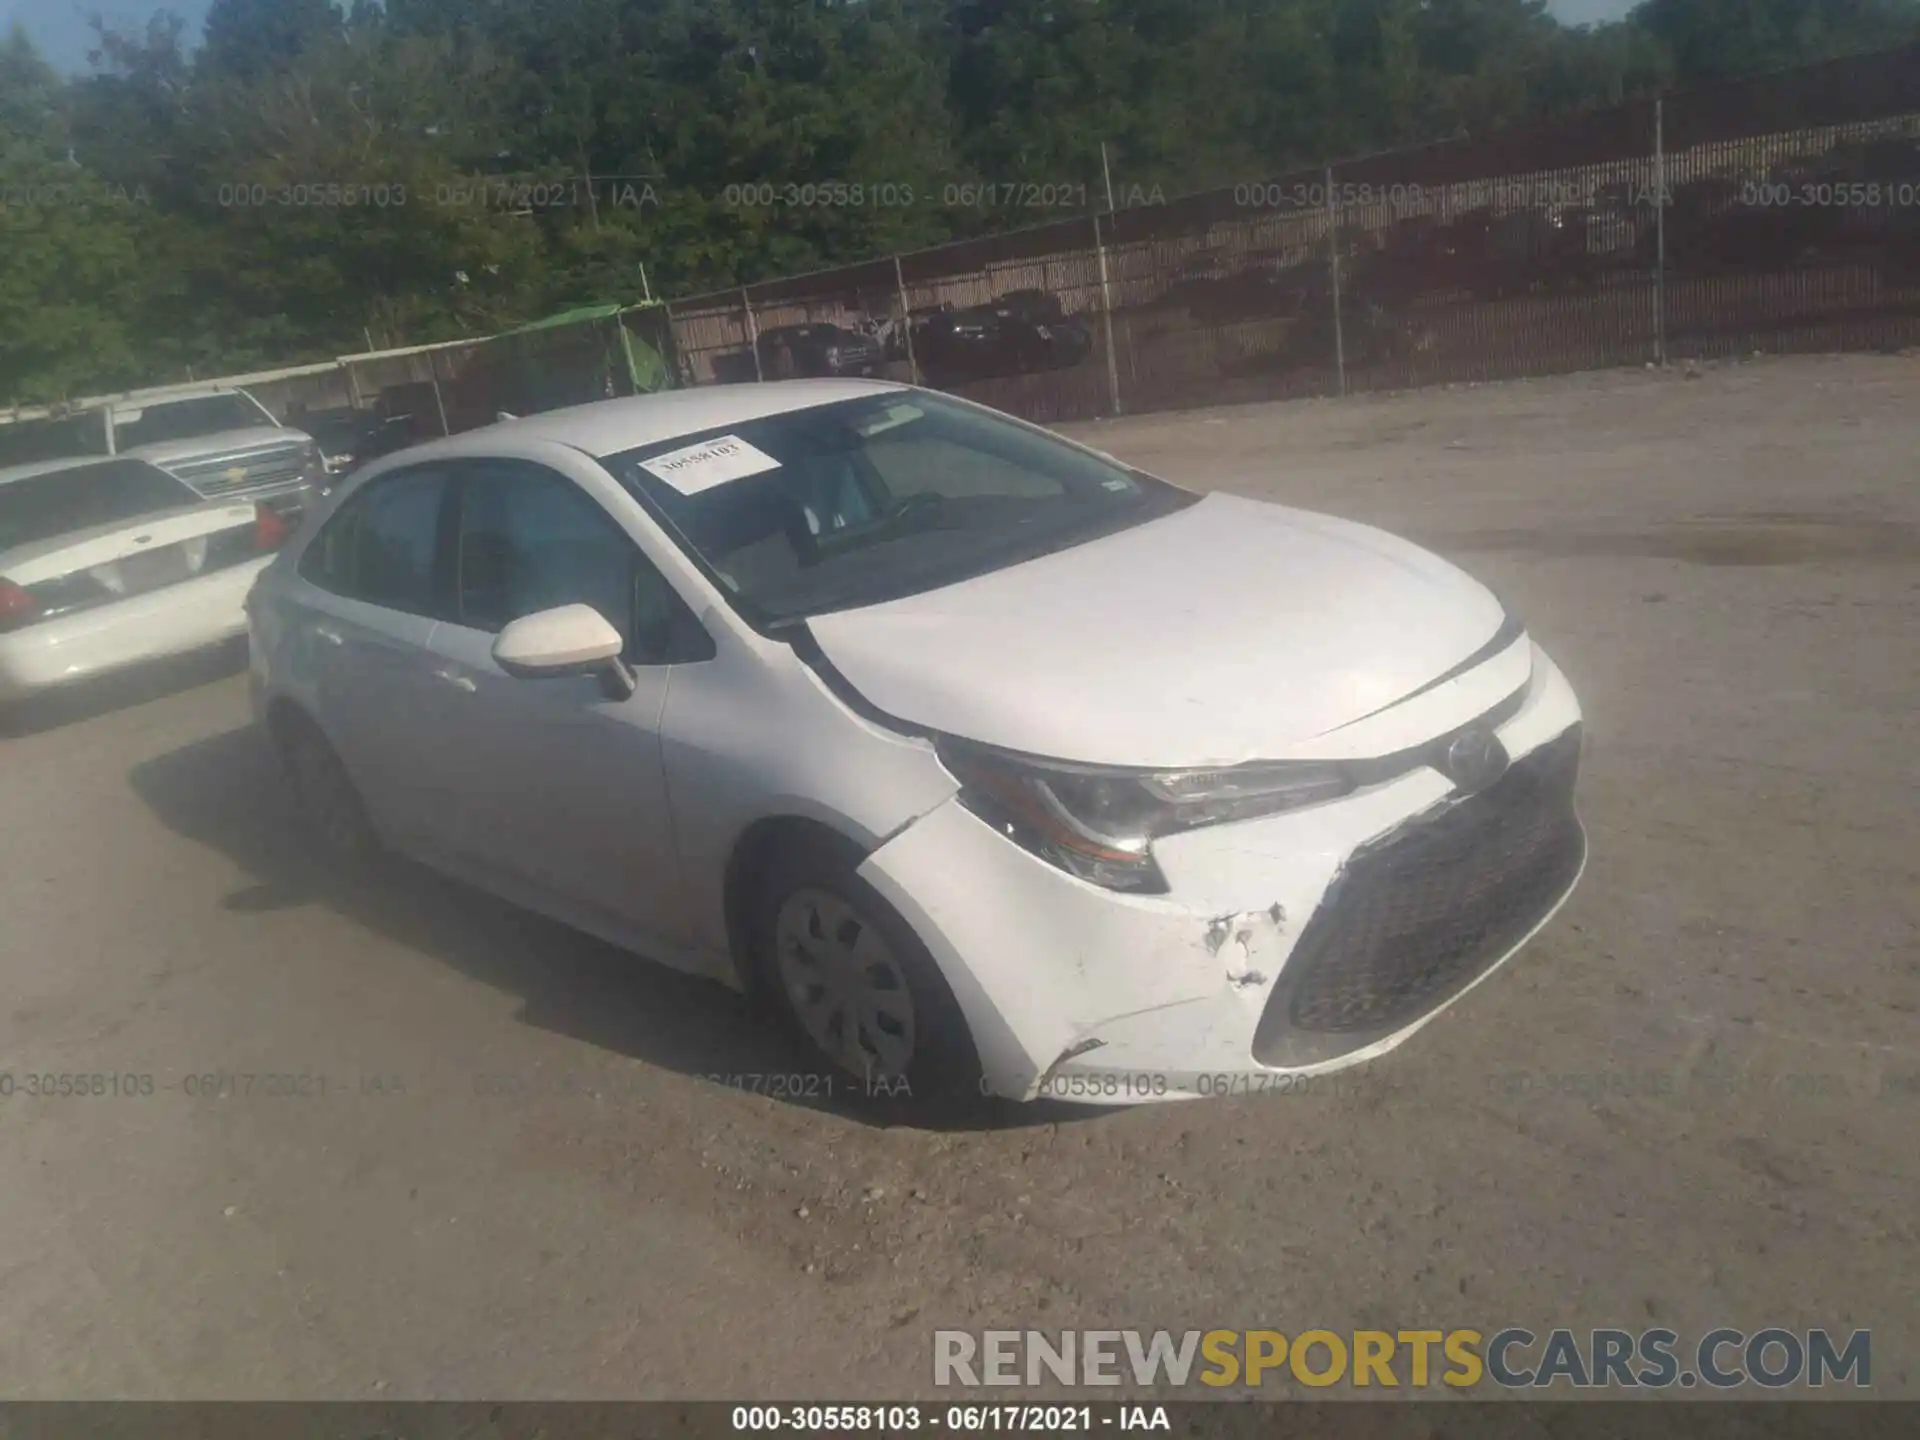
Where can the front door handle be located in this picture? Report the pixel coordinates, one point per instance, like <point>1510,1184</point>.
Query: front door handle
<point>332,637</point>
<point>456,680</point>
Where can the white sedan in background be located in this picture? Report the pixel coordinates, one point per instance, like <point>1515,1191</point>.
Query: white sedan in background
<point>993,764</point>
<point>109,563</point>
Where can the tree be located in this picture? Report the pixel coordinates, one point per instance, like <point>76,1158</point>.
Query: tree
<point>434,168</point>
<point>247,39</point>
<point>71,246</point>
<point>1720,39</point>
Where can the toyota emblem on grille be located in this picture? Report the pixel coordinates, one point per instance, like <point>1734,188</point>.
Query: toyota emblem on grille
<point>1474,760</point>
<point>234,474</point>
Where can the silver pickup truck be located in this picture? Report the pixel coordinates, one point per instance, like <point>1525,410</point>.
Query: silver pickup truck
<point>219,440</point>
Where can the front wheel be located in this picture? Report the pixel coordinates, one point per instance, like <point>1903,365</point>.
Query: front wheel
<point>856,986</point>
<point>329,804</point>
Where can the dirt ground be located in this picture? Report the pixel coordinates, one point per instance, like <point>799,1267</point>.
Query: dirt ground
<point>1694,1102</point>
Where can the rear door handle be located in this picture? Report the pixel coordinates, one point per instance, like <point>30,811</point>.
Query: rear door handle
<point>332,637</point>
<point>456,680</point>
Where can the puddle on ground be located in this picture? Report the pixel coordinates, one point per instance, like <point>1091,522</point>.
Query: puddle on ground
<point>1767,539</point>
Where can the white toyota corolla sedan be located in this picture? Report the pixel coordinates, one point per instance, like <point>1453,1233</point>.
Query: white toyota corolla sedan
<point>991,763</point>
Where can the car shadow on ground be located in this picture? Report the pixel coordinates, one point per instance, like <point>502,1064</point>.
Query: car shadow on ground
<point>88,700</point>
<point>226,792</point>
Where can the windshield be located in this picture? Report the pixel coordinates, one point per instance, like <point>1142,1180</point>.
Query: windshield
<point>866,500</point>
<point>29,442</point>
<point>62,502</point>
<point>184,419</point>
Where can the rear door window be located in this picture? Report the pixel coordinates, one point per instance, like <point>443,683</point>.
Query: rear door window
<point>381,546</point>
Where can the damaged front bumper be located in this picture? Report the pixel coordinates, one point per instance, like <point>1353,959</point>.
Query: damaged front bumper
<point>1290,946</point>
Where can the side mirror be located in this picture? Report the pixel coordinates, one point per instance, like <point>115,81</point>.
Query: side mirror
<point>569,640</point>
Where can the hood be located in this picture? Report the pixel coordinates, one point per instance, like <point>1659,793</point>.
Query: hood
<point>1229,631</point>
<point>248,440</point>
<point>78,550</point>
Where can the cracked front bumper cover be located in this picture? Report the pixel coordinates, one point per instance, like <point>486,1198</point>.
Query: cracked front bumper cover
<point>1083,993</point>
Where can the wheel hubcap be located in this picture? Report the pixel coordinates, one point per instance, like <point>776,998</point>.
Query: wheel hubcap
<point>846,985</point>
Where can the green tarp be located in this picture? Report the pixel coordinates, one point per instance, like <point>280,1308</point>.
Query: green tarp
<point>578,316</point>
<point>553,365</point>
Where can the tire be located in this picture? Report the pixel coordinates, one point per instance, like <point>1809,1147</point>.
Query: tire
<point>331,811</point>
<point>812,908</point>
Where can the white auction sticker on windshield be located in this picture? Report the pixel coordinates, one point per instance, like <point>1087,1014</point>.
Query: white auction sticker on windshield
<point>711,462</point>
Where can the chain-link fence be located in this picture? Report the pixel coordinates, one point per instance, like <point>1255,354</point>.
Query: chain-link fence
<point>1775,214</point>
<point>424,392</point>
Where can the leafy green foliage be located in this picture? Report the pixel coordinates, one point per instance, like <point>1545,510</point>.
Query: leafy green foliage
<point>1723,39</point>
<point>317,173</point>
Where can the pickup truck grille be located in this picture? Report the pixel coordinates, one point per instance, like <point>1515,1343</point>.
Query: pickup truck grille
<point>244,472</point>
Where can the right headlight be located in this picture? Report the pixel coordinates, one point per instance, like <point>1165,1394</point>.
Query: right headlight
<point>1100,824</point>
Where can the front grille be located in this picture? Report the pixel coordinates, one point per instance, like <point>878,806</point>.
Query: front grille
<point>1417,916</point>
<point>238,474</point>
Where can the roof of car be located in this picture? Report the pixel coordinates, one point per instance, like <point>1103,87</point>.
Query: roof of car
<point>73,462</point>
<point>609,427</point>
